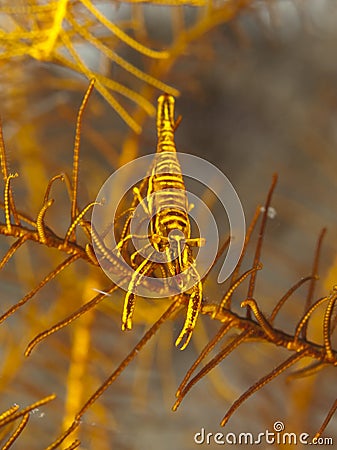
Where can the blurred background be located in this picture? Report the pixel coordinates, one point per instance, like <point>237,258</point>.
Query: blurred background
<point>255,83</point>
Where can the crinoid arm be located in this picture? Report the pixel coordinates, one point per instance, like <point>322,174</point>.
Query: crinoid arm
<point>261,383</point>
<point>176,303</point>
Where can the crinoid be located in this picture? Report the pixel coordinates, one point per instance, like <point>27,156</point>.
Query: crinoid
<point>235,328</point>
<point>8,432</point>
<point>74,33</point>
<point>261,328</point>
<point>51,31</point>
<point>24,228</point>
<point>252,326</point>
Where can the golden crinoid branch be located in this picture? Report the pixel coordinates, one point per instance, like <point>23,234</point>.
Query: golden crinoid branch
<point>176,304</point>
<point>48,32</point>
<point>57,31</point>
<point>314,277</point>
<point>327,419</point>
<point>256,326</point>
<point>262,382</point>
<point>74,445</point>
<point>332,298</point>
<point>74,179</point>
<point>261,328</point>
<point>82,310</point>
<point>257,256</point>
<point>111,55</point>
<point>16,433</point>
<point>14,413</point>
<point>9,202</point>
<point>25,229</point>
<point>226,301</point>
<point>122,366</point>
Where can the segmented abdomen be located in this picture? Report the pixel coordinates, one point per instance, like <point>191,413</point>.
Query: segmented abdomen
<point>169,205</point>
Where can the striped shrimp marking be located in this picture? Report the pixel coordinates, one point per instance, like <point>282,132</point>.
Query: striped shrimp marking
<point>169,227</point>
